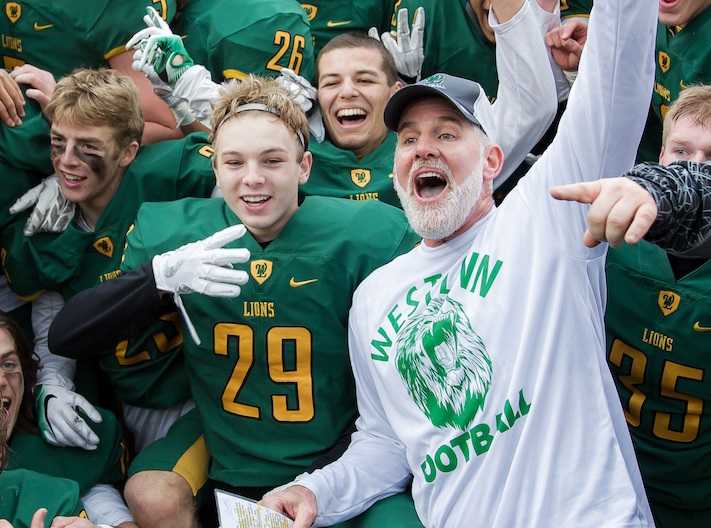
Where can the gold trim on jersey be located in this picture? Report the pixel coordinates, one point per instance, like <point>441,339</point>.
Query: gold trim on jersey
<point>118,50</point>
<point>668,301</point>
<point>13,10</point>
<point>261,270</point>
<point>193,464</point>
<point>361,177</point>
<point>664,61</point>
<point>311,11</point>
<point>105,246</point>
<point>234,74</point>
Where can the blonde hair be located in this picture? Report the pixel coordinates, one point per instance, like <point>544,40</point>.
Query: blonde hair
<point>100,97</point>
<point>260,91</point>
<point>694,102</point>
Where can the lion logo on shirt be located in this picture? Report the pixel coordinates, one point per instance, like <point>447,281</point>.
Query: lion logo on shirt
<point>444,364</point>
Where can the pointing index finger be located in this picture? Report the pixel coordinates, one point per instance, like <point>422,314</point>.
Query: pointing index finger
<point>577,192</point>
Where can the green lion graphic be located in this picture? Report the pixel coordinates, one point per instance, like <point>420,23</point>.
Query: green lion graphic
<point>444,364</point>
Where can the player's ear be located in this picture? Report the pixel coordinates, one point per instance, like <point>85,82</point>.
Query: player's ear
<point>492,163</point>
<point>129,154</point>
<point>305,167</point>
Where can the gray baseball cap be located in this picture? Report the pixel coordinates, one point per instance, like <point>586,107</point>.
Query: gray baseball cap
<point>467,96</point>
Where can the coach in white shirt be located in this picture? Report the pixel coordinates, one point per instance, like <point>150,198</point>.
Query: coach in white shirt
<point>479,356</point>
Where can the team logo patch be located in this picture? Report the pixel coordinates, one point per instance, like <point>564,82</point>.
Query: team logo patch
<point>261,270</point>
<point>105,246</point>
<point>668,302</point>
<point>664,61</point>
<point>311,11</point>
<point>207,151</point>
<point>13,10</point>
<point>444,364</point>
<point>436,81</point>
<point>361,177</point>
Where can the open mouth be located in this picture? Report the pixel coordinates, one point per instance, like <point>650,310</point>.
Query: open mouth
<point>429,185</point>
<point>351,117</point>
<point>5,404</point>
<point>255,200</point>
<point>72,180</point>
<point>668,4</point>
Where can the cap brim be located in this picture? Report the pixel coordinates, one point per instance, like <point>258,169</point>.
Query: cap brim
<point>406,96</point>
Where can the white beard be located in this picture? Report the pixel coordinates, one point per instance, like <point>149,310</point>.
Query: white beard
<point>439,220</point>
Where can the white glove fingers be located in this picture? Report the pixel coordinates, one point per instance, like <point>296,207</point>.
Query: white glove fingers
<point>218,289</point>
<point>223,237</point>
<point>142,35</point>
<point>391,45</point>
<point>373,33</point>
<point>418,26</point>
<point>403,27</point>
<point>27,200</point>
<point>213,273</point>
<point>88,408</point>
<point>154,19</point>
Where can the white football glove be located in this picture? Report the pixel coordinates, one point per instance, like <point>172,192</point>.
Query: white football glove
<point>202,267</point>
<point>306,96</point>
<point>59,422</point>
<point>150,52</point>
<point>52,212</point>
<point>407,49</point>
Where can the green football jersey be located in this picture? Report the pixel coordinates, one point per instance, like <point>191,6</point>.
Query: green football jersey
<point>329,18</point>
<point>233,38</point>
<point>104,465</point>
<point>146,370</point>
<point>62,35</point>
<point>454,42</point>
<point>575,8</point>
<point>659,338</point>
<point>16,182</point>
<point>272,378</point>
<point>23,492</point>
<point>683,58</point>
<point>338,172</point>
<point>27,146</point>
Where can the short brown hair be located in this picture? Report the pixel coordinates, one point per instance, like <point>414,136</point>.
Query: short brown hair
<point>361,40</point>
<point>264,91</point>
<point>100,97</point>
<point>694,102</point>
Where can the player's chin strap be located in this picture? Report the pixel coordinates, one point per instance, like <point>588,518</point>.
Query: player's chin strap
<point>191,328</point>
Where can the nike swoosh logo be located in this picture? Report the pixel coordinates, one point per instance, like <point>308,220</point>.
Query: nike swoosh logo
<point>701,329</point>
<point>333,24</point>
<point>41,27</point>
<point>297,284</point>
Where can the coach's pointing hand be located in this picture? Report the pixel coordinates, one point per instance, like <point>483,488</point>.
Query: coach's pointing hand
<point>296,502</point>
<point>620,210</point>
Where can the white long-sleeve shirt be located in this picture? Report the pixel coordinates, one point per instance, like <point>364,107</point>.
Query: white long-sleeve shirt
<point>480,364</point>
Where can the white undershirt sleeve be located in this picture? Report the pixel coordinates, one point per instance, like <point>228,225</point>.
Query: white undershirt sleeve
<point>600,130</point>
<point>526,101</point>
<point>54,370</point>
<point>104,505</point>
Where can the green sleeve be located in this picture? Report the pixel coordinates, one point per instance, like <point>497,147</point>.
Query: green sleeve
<point>195,174</point>
<point>264,48</point>
<point>104,465</point>
<point>27,146</point>
<point>23,492</point>
<point>121,20</point>
<point>135,252</point>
